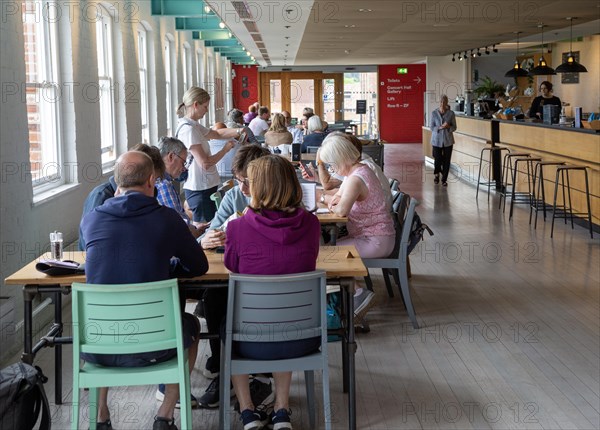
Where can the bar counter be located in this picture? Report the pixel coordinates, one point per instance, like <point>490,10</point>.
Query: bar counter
<point>550,142</point>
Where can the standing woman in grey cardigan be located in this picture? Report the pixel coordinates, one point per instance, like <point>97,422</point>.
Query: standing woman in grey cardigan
<point>442,125</point>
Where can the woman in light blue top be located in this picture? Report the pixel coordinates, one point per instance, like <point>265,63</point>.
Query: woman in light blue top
<point>442,125</point>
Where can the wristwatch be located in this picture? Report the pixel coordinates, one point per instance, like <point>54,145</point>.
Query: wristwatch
<point>322,198</point>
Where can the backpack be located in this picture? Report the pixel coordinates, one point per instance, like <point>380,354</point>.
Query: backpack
<point>334,316</point>
<point>22,398</point>
<point>416,232</point>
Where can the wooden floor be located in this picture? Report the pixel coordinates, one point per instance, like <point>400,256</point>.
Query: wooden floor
<point>510,327</point>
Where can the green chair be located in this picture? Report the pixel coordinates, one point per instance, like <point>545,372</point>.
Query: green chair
<point>276,308</point>
<point>217,196</point>
<point>128,319</point>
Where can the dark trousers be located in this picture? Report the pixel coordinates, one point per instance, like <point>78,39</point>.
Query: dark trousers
<point>441,157</point>
<point>215,311</point>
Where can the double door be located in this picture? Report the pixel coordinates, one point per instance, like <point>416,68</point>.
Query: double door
<point>293,91</point>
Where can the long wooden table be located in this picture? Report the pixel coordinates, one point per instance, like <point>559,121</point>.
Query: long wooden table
<point>341,263</point>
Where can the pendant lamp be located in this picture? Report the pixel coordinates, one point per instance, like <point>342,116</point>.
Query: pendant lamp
<point>542,68</point>
<point>517,71</point>
<point>571,66</point>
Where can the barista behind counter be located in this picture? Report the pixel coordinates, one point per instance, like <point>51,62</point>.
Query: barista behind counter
<point>537,106</point>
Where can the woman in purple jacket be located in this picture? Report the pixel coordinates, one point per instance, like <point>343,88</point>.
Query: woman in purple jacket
<point>276,236</point>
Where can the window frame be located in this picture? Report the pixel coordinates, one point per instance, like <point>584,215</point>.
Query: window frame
<point>106,76</point>
<point>50,114</point>
<point>169,84</point>
<point>143,66</point>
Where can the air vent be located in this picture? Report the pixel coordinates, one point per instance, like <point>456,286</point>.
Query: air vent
<point>242,9</point>
<point>286,69</point>
<point>251,26</point>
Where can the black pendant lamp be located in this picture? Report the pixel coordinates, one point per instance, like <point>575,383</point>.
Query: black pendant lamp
<point>571,66</point>
<point>542,68</point>
<point>517,71</point>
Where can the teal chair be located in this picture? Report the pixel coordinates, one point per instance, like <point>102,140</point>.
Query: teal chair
<point>276,308</point>
<point>128,319</point>
<point>218,195</point>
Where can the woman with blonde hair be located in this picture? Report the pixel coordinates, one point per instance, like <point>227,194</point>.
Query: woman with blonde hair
<point>203,178</point>
<point>276,236</point>
<point>278,135</point>
<point>362,200</point>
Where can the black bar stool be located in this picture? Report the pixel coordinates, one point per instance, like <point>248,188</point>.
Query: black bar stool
<point>491,150</point>
<point>561,170</point>
<point>522,197</point>
<point>506,176</point>
<point>538,202</point>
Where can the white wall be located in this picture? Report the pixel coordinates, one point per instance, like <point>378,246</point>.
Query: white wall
<point>444,77</point>
<point>587,92</point>
<point>24,225</point>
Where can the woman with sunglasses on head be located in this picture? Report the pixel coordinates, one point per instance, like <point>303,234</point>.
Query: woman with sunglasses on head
<point>203,178</point>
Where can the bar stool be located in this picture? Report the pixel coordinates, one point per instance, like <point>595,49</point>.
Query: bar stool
<point>522,197</point>
<point>506,176</point>
<point>561,170</point>
<point>491,150</point>
<point>537,201</point>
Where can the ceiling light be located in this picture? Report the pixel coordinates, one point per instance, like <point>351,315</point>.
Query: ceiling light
<point>221,24</point>
<point>487,51</point>
<point>230,35</point>
<point>365,10</point>
<point>207,9</point>
<point>346,51</point>
<point>494,48</point>
<point>516,71</point>
<point>465,56</point>
<point>350,25</point>
<point>571,66</point>
<point>460,57</point>
<point>453,59</point>
<point>478,52</point>
<point>248,53</point>
<point>473,54</point>
<point>542,68</point>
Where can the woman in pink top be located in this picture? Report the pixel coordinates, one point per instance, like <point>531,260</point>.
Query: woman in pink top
<point>361,199</point>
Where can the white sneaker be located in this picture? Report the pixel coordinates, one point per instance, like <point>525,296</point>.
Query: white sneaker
<point>363,302</point>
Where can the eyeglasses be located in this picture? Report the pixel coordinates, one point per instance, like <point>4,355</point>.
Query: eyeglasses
<point>244,182</point>
<point>185,163</point>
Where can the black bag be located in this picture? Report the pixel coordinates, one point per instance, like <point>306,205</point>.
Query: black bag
<point>22,398</point>
<point>60,268</point>
<point>416,232</point>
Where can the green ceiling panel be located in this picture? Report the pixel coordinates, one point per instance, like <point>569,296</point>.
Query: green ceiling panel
<point>229,42</point>
<point>204,23</point>
<point>179,8</point>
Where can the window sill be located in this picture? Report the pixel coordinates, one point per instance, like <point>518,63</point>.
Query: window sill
<point>46,196</point>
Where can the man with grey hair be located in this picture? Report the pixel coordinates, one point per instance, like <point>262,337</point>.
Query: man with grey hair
<point>119,250</point>
<point>235,119</point>
<point>174,155</point>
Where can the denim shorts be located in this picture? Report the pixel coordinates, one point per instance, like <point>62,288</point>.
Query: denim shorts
<point>191,331</point>
<point>203,208</point>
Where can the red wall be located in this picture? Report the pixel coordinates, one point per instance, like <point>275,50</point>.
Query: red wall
<point>401,102</point>
<point>245,86</point>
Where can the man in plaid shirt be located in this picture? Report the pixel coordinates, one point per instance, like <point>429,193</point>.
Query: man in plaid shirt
<point>174,154</point>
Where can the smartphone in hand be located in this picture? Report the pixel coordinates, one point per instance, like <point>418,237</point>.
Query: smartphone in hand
<point>243,137</point>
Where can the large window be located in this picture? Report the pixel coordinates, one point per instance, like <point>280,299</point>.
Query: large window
<point>106,81</point>
<point>361,86</point>
<point>168,51</point>
<point>187,67</point>
<point>143,69</point>
<point>42,95</point>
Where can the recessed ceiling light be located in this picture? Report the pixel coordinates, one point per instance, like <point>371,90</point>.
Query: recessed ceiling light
<point>365,10</point>
<point>350,26</point>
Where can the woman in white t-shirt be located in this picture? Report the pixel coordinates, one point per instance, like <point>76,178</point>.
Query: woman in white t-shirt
<point>203,177</point>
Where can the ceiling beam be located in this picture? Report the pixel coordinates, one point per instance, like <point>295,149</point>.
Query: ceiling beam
<point>182,8</point>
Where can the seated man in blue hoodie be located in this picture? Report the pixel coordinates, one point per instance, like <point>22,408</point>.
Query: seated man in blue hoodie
<point>120,250</point>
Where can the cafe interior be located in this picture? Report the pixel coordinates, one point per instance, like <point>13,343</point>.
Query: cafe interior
<point>491,321</point>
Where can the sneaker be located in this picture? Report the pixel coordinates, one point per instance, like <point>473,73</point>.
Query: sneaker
<point>104,425</point>
<point>210,398</point>
<point>161,423</point>
<point>363,302</point>
<point>280,420</point>
<point>254,420</point>
<point>444,184</point>
<point>261,393</point>
<point>210,364</point>
<point>436,179</point>
<point>160,396</point>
